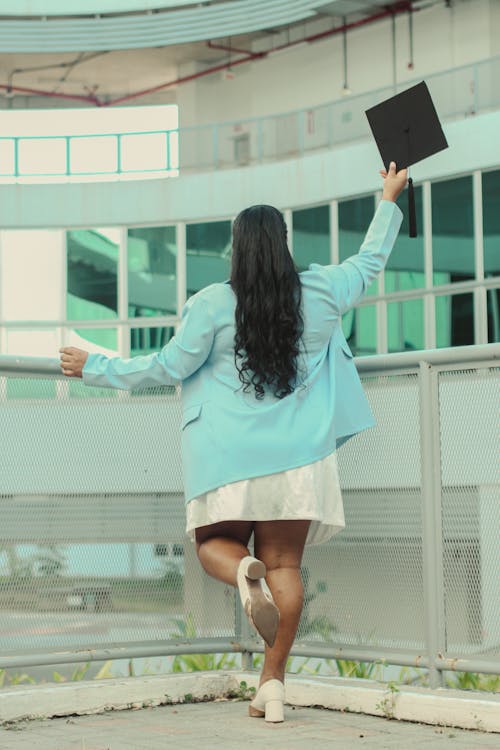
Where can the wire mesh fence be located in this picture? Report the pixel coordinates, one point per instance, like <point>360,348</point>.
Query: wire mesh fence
<point>94,561</point>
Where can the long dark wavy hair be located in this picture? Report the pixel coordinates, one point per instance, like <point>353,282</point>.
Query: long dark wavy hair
<point>269,322</point>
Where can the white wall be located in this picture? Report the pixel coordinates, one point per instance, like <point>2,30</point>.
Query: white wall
<point>313,74</point>
<point>313,179</point>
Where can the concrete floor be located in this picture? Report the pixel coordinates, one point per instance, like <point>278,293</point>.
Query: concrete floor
<point>224,724</point>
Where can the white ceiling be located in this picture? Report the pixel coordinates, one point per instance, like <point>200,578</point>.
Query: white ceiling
<point>113,73</point>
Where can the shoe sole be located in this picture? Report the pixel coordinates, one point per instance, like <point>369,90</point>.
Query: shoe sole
<point>263,613</point>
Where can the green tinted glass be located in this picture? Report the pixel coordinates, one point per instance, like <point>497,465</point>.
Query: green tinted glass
<point>491,223</point>
<point>493,311</point>
<point>92,263</point>
<point>405,325</point>
<point>360,329</point>
<point>149,340</point>
<point>454,320</point>
<point>208,253</point>
<point>452,231</point>
<point>405,267</point>
<point>311,236</point>
<point>354,219</point>
<point>152,277</point>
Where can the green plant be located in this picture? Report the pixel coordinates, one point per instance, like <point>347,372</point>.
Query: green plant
<point>186,630</point>
<point>388,702</point>
<point>243,693</point>
<point>15,679</point>
<point>474,681</point>
<point>78,674</point>
<point>361,669</point>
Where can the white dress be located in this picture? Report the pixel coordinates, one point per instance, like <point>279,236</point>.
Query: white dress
<point>307,492</point>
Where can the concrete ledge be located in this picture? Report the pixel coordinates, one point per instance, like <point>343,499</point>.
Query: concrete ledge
<point>48,700</point>
<point>442,707</point>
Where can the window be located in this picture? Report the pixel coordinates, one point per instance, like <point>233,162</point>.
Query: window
<point>208,252</point>
<point>491,223</point>
<point>493,313</point>
<point>454,320</point>
<point>405,325</point>
<point>152,278</point>
<point>360,329</point>
<point>354,219</point>
<point>452,231</point>
<point>92,262</point>
<point>405,267</point>
<point>149,340</point>
<point>311,236</point>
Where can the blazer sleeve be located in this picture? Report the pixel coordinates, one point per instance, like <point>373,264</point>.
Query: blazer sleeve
<point>181,357</point>
<point>349,281</point>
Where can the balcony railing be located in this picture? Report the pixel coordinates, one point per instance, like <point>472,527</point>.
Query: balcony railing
<point>94,563</point>
<point>457,93</point>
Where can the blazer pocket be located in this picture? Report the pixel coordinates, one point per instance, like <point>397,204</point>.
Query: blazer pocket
<point>190,414</point>
<point>345,348</point>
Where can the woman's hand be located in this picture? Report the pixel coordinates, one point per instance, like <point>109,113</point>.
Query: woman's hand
<point>73,361</point>
<point>394,182</point>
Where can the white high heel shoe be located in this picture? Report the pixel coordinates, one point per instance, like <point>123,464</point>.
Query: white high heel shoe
<point>268,701</point>
<point>259,606</point>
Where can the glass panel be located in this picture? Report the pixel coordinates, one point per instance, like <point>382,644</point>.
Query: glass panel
<point>208,254</point>
<point>32,265</point>
<point>104,338</point>
<point>405,267</point>
<point>92,260</point>
<point>454,320</point>
<point>493,308</point>
<point>149,340</point>
<point>311,236</point>
<point>360,329</point>
<point>491,223</point>
<point>452,231</point>
<point>354,219</point>
<point>405,325</point>
<point>152,277</point>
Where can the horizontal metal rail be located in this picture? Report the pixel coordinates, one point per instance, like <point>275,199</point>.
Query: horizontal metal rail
<point>48,367</point>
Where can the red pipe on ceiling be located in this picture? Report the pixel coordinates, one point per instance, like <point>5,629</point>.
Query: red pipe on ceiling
<point>396,8</point>
<point>390,10</point>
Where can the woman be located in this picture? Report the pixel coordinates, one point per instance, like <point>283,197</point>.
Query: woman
<point>269,390</point>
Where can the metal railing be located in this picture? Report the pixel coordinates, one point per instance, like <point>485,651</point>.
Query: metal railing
<point>412,580</point>
<point>460,92</point>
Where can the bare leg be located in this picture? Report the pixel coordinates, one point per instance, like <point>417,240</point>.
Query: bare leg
<point>221,547</point>
<point>280,545</point>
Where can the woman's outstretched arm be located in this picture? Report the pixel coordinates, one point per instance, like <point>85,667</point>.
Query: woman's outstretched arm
<point>349,281</point>
<point>179,359</point>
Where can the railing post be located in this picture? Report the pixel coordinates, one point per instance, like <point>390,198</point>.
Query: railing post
<point>68,155</point>
<point>301,124</point>
<point>215,143</point>
<point>16,157</point>
<point>242,632</point>
<point>118,153</point>
<point>432,537</point>
<point>260,141</point>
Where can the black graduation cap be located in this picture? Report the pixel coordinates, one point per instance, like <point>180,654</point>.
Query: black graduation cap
<point>407,129</point>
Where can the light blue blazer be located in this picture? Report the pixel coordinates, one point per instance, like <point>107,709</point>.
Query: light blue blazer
<point>228,435</point>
